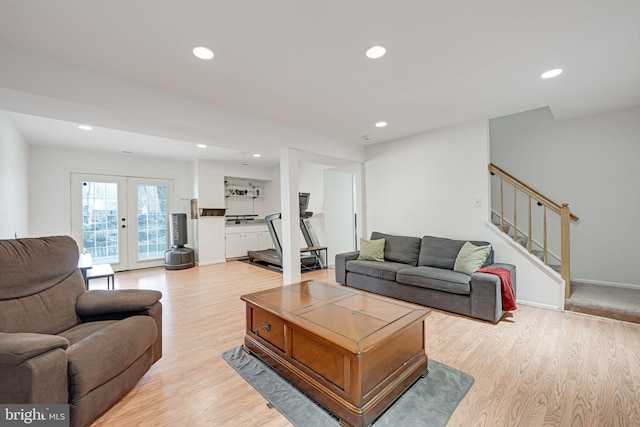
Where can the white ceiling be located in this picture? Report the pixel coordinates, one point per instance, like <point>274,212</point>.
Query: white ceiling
<point>302,63</point>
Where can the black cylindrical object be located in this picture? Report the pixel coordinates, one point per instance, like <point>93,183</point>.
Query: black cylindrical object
<point>179,235</point>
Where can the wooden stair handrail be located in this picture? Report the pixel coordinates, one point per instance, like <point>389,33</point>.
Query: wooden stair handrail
<point>555,207</point>
<point>565,218</point>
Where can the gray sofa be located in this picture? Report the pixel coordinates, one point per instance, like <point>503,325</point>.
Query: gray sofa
<point>61,344</point>
<point>420,270</point>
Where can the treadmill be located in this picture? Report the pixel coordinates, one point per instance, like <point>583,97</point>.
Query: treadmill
<point>273,257</point>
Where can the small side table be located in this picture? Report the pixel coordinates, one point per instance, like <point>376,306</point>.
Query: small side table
<point>85,263</point>
<point>315,250</point>
<point>102,270</point>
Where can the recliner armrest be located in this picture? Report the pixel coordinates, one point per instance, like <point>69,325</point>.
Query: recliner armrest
<point>15,348</point>
<point>341,265</point>
<point>100,302</point>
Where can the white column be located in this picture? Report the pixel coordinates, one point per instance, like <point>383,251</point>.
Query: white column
<point>290,211</point>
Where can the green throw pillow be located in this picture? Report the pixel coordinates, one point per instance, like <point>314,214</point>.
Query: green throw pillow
<point>471,258</point>
<point>371,250</point>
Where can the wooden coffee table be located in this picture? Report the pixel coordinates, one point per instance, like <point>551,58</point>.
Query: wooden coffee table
<point>351,351</point>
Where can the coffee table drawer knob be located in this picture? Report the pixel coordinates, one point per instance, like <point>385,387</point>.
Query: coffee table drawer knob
<point>266,327</point>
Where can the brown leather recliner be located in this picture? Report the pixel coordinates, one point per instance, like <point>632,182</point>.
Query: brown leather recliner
<point>60,343</point>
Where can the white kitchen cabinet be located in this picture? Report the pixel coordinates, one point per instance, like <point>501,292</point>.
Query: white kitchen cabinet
<point>264,240</point>
<point>240,240</point>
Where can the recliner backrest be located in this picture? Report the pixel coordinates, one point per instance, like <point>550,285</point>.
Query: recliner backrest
<point>39,284</point>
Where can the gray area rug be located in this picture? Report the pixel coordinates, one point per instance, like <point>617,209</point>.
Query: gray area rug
<point>430,402</point>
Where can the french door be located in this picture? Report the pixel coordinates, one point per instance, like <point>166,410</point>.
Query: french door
<point>121,220</point>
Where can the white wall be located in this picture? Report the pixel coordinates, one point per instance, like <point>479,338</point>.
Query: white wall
<point>50,182</point>
<point>592,164</point>
<point>14,181</point>
<point>427,184</point>
<point>210,231</point>
<point>310,181</point>
<point>339,214</point>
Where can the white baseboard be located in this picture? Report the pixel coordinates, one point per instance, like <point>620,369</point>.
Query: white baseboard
<point>210,262</point>
<point>538,305</point>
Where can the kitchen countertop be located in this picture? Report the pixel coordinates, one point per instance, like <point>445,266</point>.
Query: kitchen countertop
<point>259,225</point>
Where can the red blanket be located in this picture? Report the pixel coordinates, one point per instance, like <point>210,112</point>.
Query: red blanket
<point>508,298</point>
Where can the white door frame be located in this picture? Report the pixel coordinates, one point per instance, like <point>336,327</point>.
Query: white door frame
<point>127,216</point>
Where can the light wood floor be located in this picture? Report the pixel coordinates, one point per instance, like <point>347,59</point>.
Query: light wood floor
<point>538,368</point>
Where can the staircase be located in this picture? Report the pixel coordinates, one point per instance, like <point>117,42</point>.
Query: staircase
<point>518,193</point>
<point>537,249</point>
<point>604,301</point>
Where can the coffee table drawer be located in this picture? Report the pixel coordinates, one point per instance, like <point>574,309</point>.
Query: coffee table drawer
<point>323,359</point>
<point>267,326</point>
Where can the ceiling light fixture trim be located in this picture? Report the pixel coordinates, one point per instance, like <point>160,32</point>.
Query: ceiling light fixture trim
<point>203,52</point>
<point>551,73</point>
<point>375,52</point>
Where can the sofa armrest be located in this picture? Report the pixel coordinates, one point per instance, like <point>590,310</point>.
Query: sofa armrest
<point>101,302</point>
<point>486,293</point>
<point>486,297</point>
<point>341,265</point>
<point>512,271</point>
<point>16,348</point>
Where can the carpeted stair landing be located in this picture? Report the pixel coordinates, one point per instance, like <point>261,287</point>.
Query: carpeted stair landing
<point>605,301</point>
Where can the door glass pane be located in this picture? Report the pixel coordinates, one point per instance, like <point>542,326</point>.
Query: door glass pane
<point>100,221</point>
<point>152,221</point>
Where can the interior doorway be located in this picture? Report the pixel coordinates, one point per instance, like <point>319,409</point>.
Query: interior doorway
<point>339,212</point>
<point>120,220</point>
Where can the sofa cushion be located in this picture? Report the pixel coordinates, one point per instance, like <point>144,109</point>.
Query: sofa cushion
<point>439,279</point>
<point>400,249</point>
<point>441,253</point>
<point>471,258</point>
<point>371,250</point>
<point>384,270</point>
<point>107,352</point>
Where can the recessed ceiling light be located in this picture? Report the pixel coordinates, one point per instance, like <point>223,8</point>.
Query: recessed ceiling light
<point>201,146</point>
<point>381,124</point>
<point>202,52</point>
<point>85,127</point>
<point>551,73</point>
<point>257,155</point>
<point>376,52</point>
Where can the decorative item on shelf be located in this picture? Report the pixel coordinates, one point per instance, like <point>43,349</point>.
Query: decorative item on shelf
<point>212,211</point>
<point>194,208</point>
<point>243,187</point>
